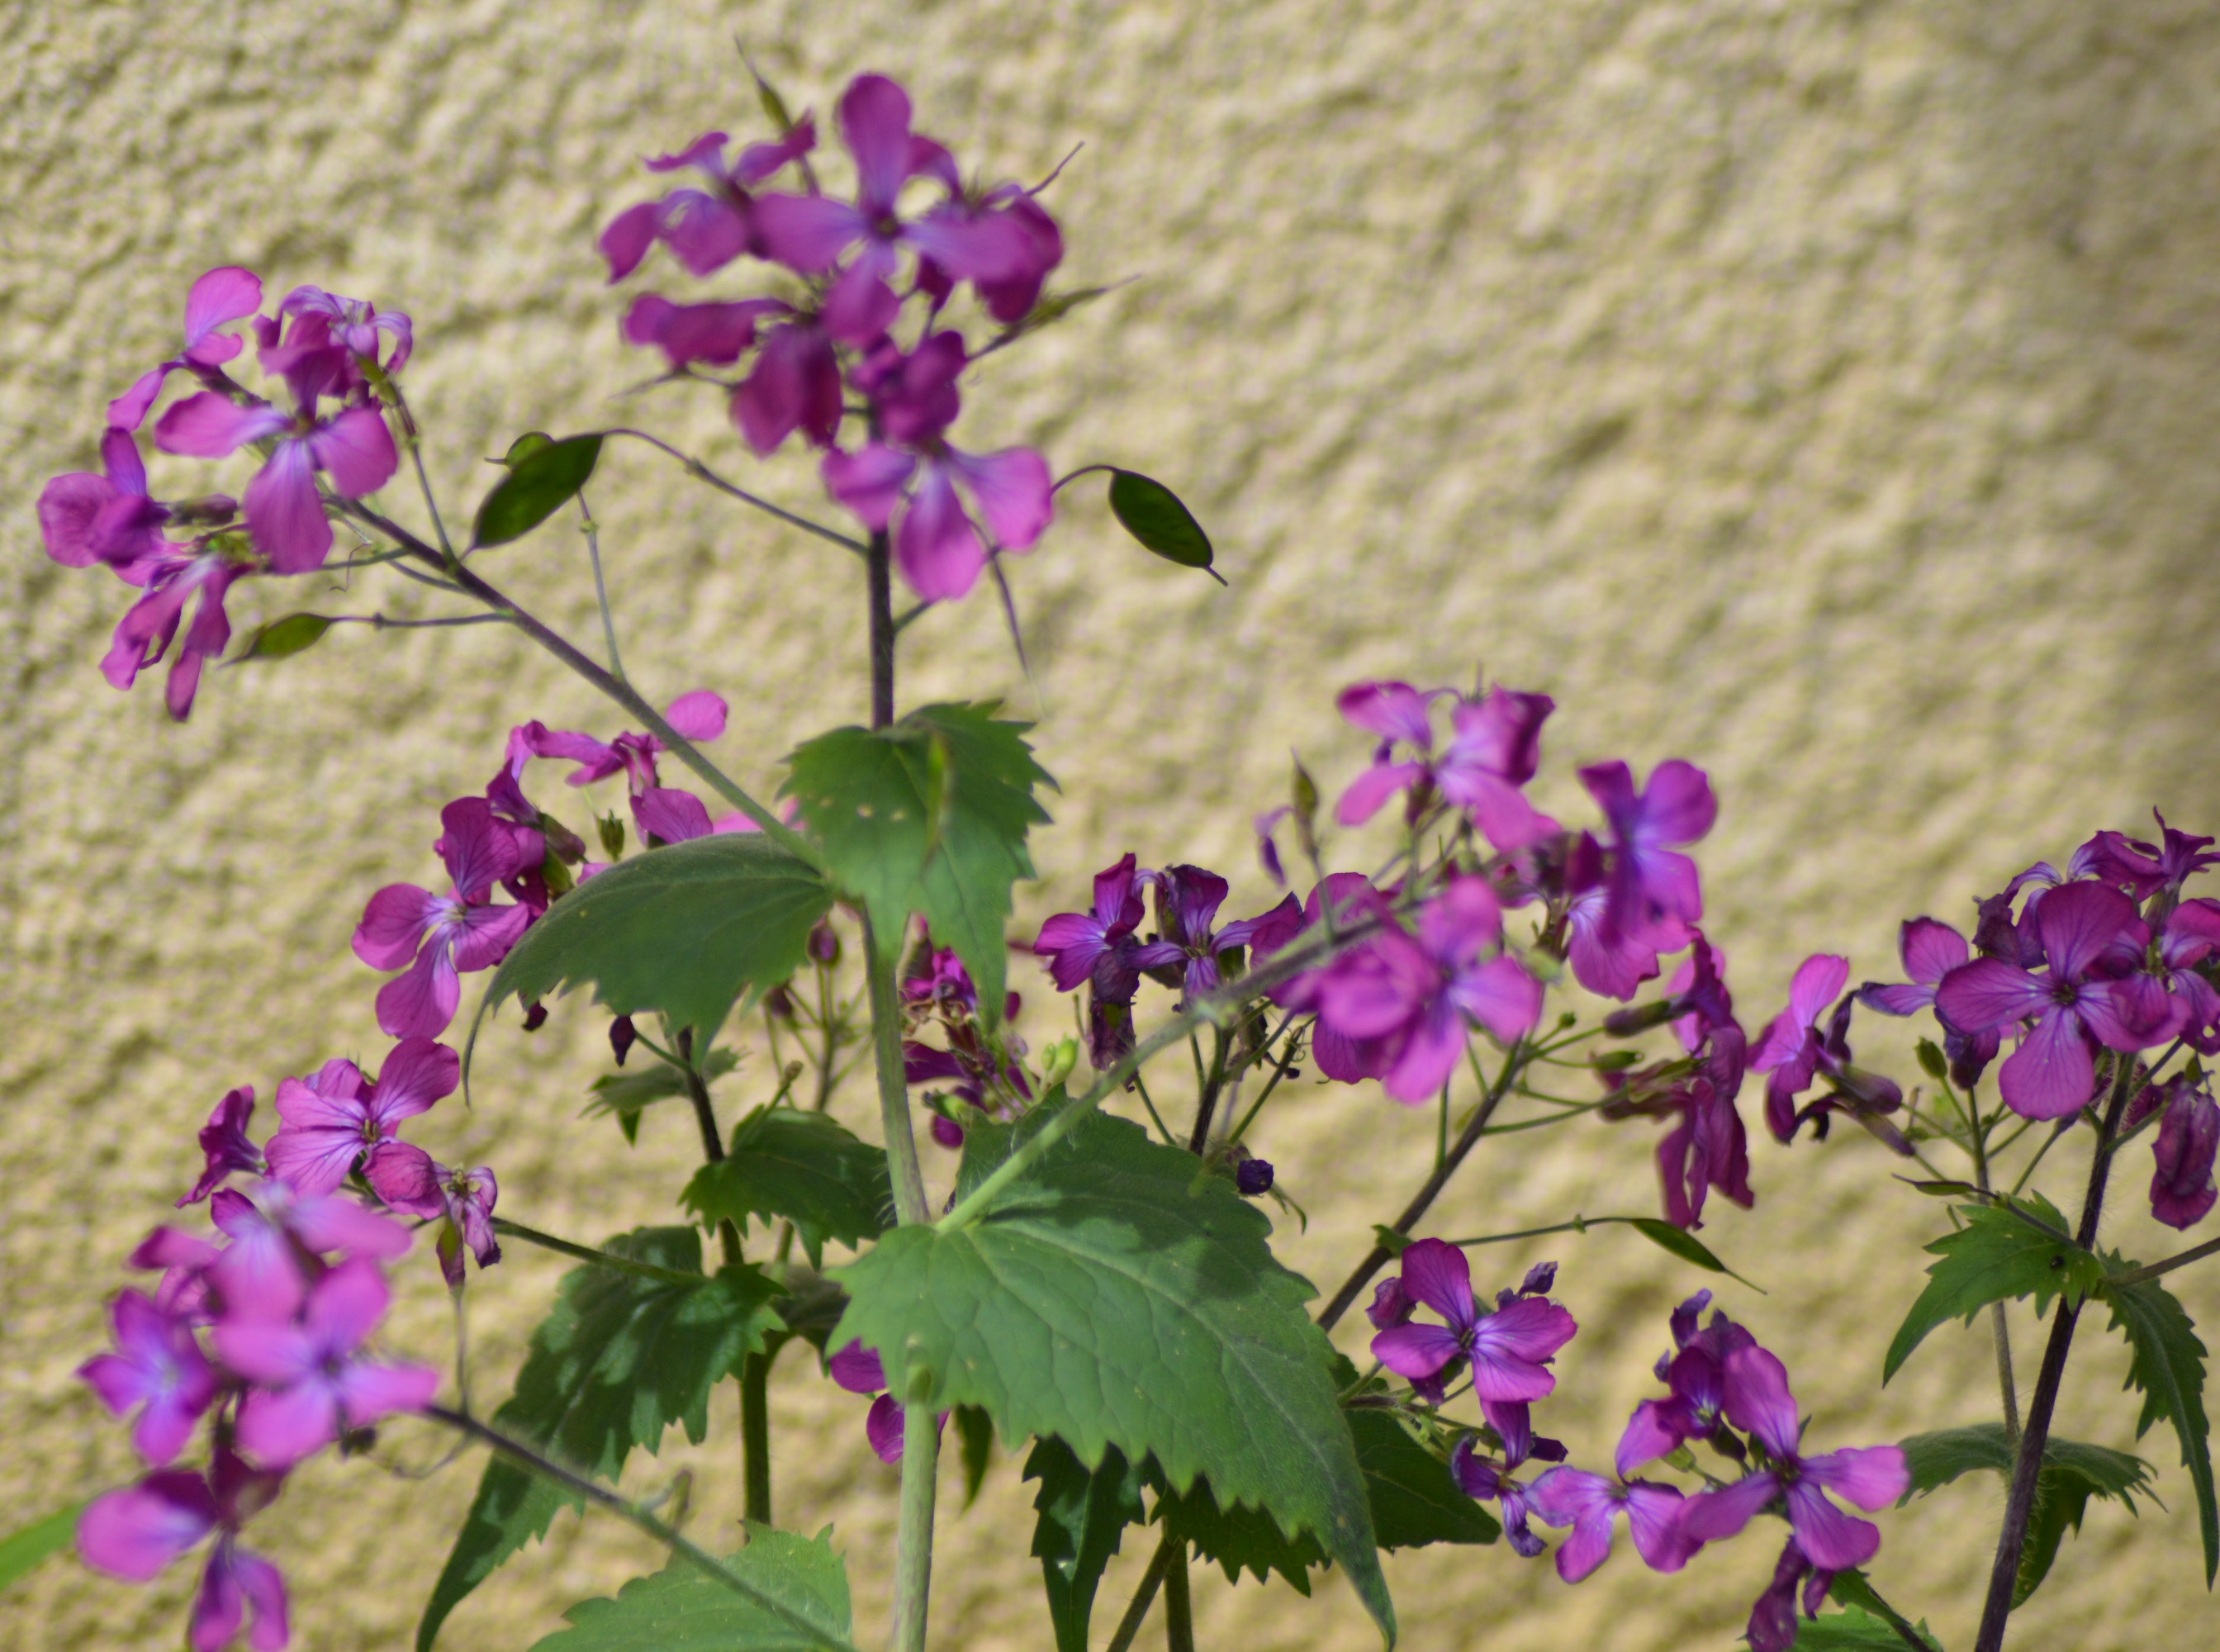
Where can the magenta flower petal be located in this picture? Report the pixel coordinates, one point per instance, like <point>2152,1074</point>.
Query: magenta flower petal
<point>1677,805</point>
<point>1930,949</point>
<point>2052,1072</point>
<point>225,293</point>
<point>283,511</point>
<point>1433,1043</point>
<point>1989,993</point>
<point>1758,1400</point>
<point>669,816</point>
<point>2080,923</point>
<point>128,410</point>
<point>2133,1013</point>
<point>423,1002</point>
<point>869,482</point>
<point>807,232</point>
<point>277,1427</point>
<point>1653,1519</point>
<point>275,1352</point>
<point>416,1075</point>
<point>342,1224</point>
<point>406,1177</point>
<point>237,1583</point>
<point>629,236</point>
<point>369,1392</point>
<point>874,116</point>
<point>937,547</point>
<point>393,925</point>
<point>357,450</point>
<point>1439,1275</point>
<point>2183,1190</point>
<point>1709,1517</point>
<point>1010,487</point>
<point>1501,996</point>
<point>882,1427</point>
<point>1510,1346</point>
<point>1393,711</point>
<point>795,385</point>
<point>857,1369</point>
<point>859,307</point>
<point>1649,1435</point>
<point>1871,1476</point>
<point>213,426</point>
<point>1583,1501</point>
<point>700,715</point>
<point>1370,790</point>
<point>1833,1540</point>
<point>132,1533</point>
<point>1417,1350</point>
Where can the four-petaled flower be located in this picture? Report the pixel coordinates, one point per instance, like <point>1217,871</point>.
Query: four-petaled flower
<point>1094,947</point>
<point>1188,898</point>
<point>1508,1349</point>
<point>1493,752</point>
<point>1930,949</point>
<point>334,1118</point>
<point>440,937</point>
<point>157,1365</point>
<point>1651,885</point>
<point>1591,1504</point>
<point>409,1180</point>
<point>135,1532</point>
<point>225,1145</point>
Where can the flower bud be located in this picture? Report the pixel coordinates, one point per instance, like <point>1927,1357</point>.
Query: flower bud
<point>1058,1062</point>
<point>824,943</point>
<point>622,1036</point>
<point>1630,1023</point>
<point>1253,1177</point>
<point>535,1016</point>
<point>611,833</point>
<point>209,510</point>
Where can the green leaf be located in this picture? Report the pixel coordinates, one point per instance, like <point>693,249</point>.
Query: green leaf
<point>2168,1366</point>
<point>975,1439</point>
<point>929,815</point>
<point>1850,1630</point>
<point>619,1361</point>
<point>804,1166</point>
<point>539,480</point>
<point>2071,1473</point>
<point>1239,1538</point>
<point>683,1608</point>
<point>1153,514</point>
<point>1115,1296</point>
<point>1415,1499</point>
<point>1999,1256</point>
<point>25,1547</point>
<point>1682,1245</point>
<point>685,930</point>
<point>627,1094</point>
<point>1082,1519</point>
<point>279,639</point>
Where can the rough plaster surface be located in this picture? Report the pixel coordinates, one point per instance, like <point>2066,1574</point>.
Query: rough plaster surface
<point>1823,391</point>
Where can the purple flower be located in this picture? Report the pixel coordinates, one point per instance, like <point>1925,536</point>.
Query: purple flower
<point>1591,1504</point>
<point>1253,1176</point>
<point>857,1369</point>
<point>1651,885</point>
<point>707,229</point>
<point>225,1144</point>
<point>408,1179</point>
<point>2182,1188</point>
<point>1507,1349</point>
<point>311,1379</point>
<point>1930,949</point>
<point>135,1532</point>
<point>440,937</point>
<point>1094,946</point>
<point>261,1272</point>
<point>352,446</point>
<point>1796,1050</point>
<point>172,576</point>
<point>936,542</point>
<point>2191,936</point>
<point>1420,993</point>
<point>686,334</point>
<point>1478,1477</point>
<point>334,1118</point>
<point>2091,938</point>
<point>794,385</point>
<point>1773,1618</point>
<point>699,716</point>
<point>1493,752</point>
<point>2144,868</point>
<point>1872,1477</point>
<point>222,295</point>
<point>1188,898</point>
<point>86,519</point>
<point>157,1366</point>
<point>354,324</point>
<point>811,233</point>
<point>1696,1373</point>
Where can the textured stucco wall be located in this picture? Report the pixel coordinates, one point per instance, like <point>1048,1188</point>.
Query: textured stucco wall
<point>1824,391</point>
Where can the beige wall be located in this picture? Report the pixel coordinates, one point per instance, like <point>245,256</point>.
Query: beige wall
<point>1822,391</point>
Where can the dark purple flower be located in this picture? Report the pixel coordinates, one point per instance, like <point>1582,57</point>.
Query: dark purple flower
<point>1478,1477</point>
<point>409,1180</point>
<point>1872,1477</point>
<point>439,938</point>
<point>1093,946</point>
<point>1696,1373</point>
<point>158,1366</point>
<point>811,233</point>
<point>352,446</point>
<point>1591,1504</point>
<point>1652,885</point>
<point>331,1119</point>
<point>2142,868</point>
<point>857,1369</point>
<point>1253,1176</point>
<point>1773,1618</point>
<point>1930,949</point>
<point>225,1144</point>
<point>135,1532</point>
<point>2189,938</point>
<point>221,297</point>
<point>622,1036</point>
<point>311,1380</point>
<point>2091,938</point>
<point>1508,1349</point>
<point>1419,992</point>
<point>707,228</point>
<point>1188,898</point>
<point>2182,1188</point>
<point>914,471</point>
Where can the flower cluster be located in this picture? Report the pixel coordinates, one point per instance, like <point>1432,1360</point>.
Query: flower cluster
<point>982,1066</point>
<point>336,359</point>
<point>873,277</point>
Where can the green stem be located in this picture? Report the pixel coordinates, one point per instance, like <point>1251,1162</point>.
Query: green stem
<point>703,472</point>
<point>755,1434</point>
<point>1207,1103</point>
<point>1137,1609</point>
<point>608,1259</point>
<point>525,1457</point>
<point>592,530</point>
<point>1999,1327</point>
<point>913,1541</point>
<point>2137,1275</point>
<point>908,1176</point>
<point>1179,1605</point>
<point>878,581</point>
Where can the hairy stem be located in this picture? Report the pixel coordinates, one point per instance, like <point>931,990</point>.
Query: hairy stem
<point>1474,1127</point>
<point>2034,1436</point>
<point>1179,1605</point>
<point>1137,1611</point>
<point>755,1434</point>
<point>525,1457</point>
<point>913,1542</point>
<point>878,581</point>
<point>615,687</point>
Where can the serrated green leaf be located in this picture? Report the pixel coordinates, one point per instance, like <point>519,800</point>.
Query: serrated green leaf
<point>539,480</point>
<point>1155,516</point>
<point>929,816</point>
<point>619,1361</point>
<point>804,1166</point>
<point>2168,1367</point>
<point>686,930</point>
<point>683,1608</point>
<point>1239,1538</point>
<point>1851,1630</point>
<point>1112,1296</point>
<point>1999,1256</point>
<point>975,1442</point>
<point>1415,1499</point>
<point>627,1092</point>
<point>1082,1516</point>
<point>281,638</point>
<point>27,1546</point>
